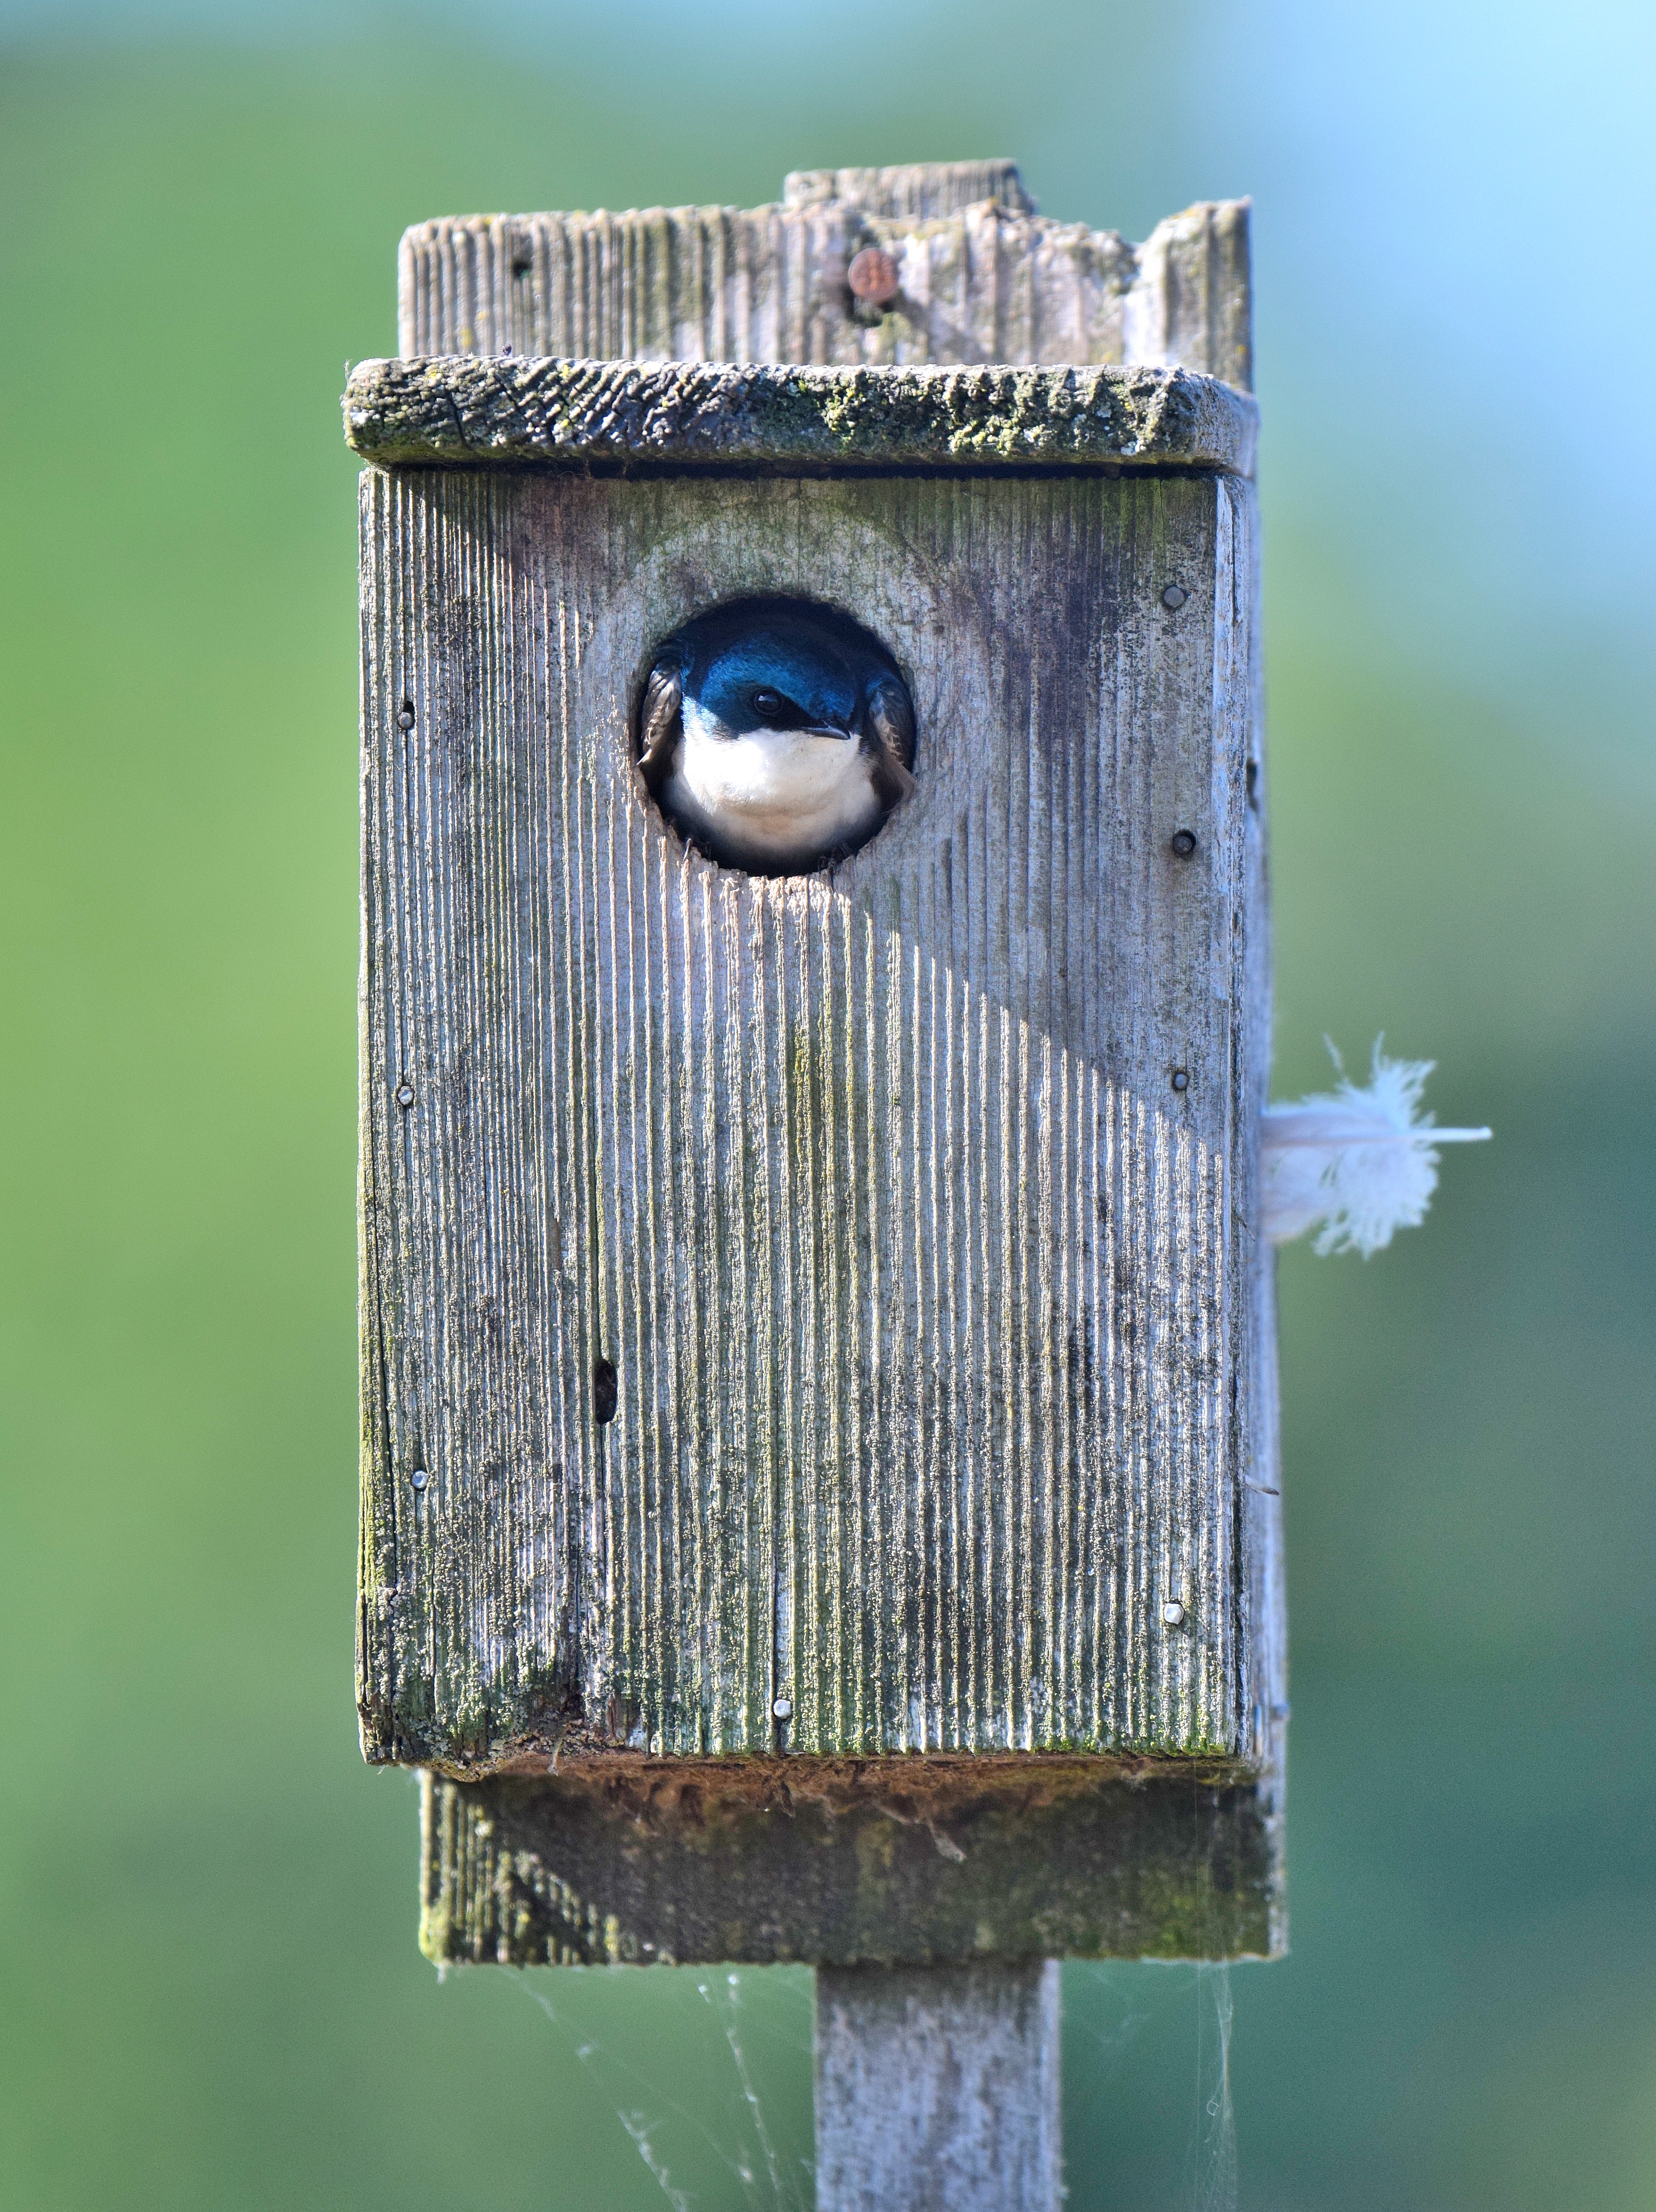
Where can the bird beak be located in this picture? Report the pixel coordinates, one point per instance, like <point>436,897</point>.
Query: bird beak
<point>825,730</point>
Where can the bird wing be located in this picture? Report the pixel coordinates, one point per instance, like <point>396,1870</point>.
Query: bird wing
<point>891,721</point>
<point>657,725</point>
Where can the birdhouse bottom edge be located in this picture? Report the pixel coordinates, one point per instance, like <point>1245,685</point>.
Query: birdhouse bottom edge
<point>899,1860</point>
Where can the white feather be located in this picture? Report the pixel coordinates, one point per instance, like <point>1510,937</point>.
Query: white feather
<point>1362,1161</point>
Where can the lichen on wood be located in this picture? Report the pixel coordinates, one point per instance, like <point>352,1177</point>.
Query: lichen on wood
<point>462,411</point>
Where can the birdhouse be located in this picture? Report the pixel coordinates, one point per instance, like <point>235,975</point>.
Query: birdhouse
<point>817,1389</point>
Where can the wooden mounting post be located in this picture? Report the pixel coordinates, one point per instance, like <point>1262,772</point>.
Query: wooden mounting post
<point>818,1405</point>
<point>937,2088</point>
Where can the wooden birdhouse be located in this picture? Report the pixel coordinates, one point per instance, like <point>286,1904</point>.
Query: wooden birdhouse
<point>817,1385</point>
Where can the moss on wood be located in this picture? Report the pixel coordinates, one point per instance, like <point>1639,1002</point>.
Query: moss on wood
<point>507,413</point>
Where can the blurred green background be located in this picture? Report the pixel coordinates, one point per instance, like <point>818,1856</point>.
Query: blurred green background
<point>209,1992</point>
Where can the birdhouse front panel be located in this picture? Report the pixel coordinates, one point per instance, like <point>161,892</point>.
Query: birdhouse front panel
<point>811,1299</point>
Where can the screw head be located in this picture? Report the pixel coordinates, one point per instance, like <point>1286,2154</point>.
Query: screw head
<point>405,1094</point>
<point>1173,1613</point>
<point>1174,597</point>
<point>1184,842</point>
<point>874,276</point>
<point>782,1709</point>
<point>1181,1079</point>
<point>418,1477</point>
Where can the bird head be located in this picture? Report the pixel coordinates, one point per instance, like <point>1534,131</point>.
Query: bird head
<point>782,678</point>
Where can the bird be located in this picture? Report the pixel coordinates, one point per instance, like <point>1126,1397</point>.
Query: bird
<point>775,735</point>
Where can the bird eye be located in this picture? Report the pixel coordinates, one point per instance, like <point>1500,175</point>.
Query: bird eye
<point>767,705</point>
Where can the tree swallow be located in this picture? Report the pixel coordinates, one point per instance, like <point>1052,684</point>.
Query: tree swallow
<point>775,736</point>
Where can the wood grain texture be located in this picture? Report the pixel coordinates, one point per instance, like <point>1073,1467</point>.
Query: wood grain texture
<point>987,280</point>
<point>936,1309</point>
<point>466,411</point>
<point>918,191</point>
<point>888,1862</point>
<point>937,2089</point>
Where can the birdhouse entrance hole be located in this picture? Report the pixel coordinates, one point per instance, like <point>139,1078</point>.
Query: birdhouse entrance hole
<point>776,735</point>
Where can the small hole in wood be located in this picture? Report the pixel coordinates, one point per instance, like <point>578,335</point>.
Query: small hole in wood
<point>607,1394</point>
<point>1253,785</point>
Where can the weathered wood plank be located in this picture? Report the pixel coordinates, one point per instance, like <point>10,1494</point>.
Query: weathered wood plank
<point>888,1862</point>
<point>572,413</point>
<point>919,192</point>
<point>911,1202</point>
<point>983,280</point>
<point>937,2089</point>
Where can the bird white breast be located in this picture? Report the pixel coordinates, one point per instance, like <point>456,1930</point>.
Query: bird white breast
<point>775,798</point>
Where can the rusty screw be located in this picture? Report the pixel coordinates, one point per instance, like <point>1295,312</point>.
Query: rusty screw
<point>874,276</point>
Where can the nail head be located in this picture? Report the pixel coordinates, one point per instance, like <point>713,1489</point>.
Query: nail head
<point>874,276</point>
<point>782,1709</point>
<point>419,1478</point>
<point>1185,843</point>
<point>1181,1080</point>
<point>405,1094</point>
<point>1174,597</point>
<point>1173,1613</point>
<point>405,716</point>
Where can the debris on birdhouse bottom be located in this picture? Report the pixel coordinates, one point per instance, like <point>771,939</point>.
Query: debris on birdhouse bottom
<point>1361,1159</point>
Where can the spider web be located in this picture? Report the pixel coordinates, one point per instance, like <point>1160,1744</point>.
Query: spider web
<point>742,2039</point>
<point>716,2102</point>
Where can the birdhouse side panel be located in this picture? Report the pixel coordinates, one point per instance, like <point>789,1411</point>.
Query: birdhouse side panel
<point>818,1297</point>
<point>1262,1594</point>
